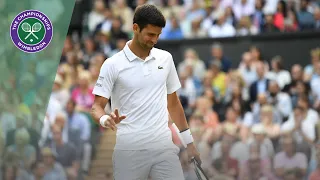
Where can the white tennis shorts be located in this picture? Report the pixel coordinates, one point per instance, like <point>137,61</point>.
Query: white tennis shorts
<point>161,164</point>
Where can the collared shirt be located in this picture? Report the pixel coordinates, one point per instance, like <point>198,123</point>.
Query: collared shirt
<point>79,122</point>
<point>139,88</point>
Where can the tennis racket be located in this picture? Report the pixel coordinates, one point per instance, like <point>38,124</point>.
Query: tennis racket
<point>199,171</point>
<point>36,27</point>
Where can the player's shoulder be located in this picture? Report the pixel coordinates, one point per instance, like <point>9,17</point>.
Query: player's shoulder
<point>160,53</point>
<point>115,60</point>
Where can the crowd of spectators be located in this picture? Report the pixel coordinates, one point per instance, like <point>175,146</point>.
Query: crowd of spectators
<point>256,120</point>
<point>198,19</point>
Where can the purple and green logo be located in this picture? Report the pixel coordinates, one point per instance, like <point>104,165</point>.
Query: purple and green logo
<point>31,31</point>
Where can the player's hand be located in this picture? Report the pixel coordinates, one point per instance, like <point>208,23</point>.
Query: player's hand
<point>193,153</point>
<point>114,119</point>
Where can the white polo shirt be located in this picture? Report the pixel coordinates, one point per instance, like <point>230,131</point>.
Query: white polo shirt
<point>139,88</point>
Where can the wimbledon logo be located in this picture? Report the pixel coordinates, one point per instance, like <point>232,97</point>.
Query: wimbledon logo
<point>31,31</point>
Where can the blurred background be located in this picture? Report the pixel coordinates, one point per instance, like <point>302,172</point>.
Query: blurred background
<point>250,75</point>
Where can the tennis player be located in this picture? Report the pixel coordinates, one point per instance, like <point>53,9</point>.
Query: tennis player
<point>142,82</point>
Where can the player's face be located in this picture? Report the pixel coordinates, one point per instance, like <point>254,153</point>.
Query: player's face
<point>148,36</point>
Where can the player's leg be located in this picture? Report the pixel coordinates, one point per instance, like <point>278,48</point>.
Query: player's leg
<point>131,165</point>
<point>167,166</point>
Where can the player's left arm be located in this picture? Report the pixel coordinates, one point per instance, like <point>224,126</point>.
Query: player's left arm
<point>176,111</point>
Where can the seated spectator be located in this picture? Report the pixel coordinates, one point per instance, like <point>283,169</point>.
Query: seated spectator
<point>25,152</point>
<point>174,32</point>
<point>272,129</point>
<point>70,70</point>
<point>303,121</point>
<point>288,159</point>
<point>278,73</point>
<point>245,27</point>
<point>315,174</point>
<point>243,8</point>
<point>204,107</point>
<point>309,70</point>
<point>259,137</point>
<point>301,132</point>
<point>316,14</point>
<point>220,171</point>
<point>218,54</point>
<point>246,69</point>
<point>291,22</point>
<point>54,170</point>
<point>188,88</point>
<point>280,15</point>
<point>82,94</point>
<point>67,154</point>
<point>231,168</point>
<point>280,100</point>
<point>268,26</point>
<point>196,31</point>
<point>62,95</point>
<point>260,86</point>
<point>221,28</point>
<point>191,57</point>
<point>256,167</point>
<point>219,78</point>
<point>305,18</point>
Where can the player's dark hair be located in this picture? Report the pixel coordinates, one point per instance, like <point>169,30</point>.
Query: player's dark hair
<point>148,14</point>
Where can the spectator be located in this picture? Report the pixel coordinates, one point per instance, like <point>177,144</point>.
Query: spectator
<point>243,8</point>
<point>280,100</point>
<point>54,170</point>
<point>26,153</point>
<point>288,159</point>
<point>317,18</point>
<point>221,28</point>
<point>120,8</point>
<point>261,85</point>
<point>191,58</point>
<point>278,73</point>
<point>217,53</point>
<point>268,26</point>
<point>280,15</point>
<point>258,16</point>
<point>305,18</point>
<point>96,16</point>
<point>174,32</point>
<point>316,173</point>
<point>219,78</point>
<point>60,94</point>
<point>66,152</point>
<point>245,28</point>
<point>82,94</point>
<point>256,167</point>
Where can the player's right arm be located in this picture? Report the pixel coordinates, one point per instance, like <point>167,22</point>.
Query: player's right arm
<point>102,91</point>
<point>99,115</point>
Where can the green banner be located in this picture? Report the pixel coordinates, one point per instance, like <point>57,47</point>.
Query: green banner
<point>32,38</point>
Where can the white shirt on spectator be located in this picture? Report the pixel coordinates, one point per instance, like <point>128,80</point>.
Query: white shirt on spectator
<point>139,88</point>
<point>270,6</point>
<point>241,10</point>
<point>284,104</point>
<point>299,160</point>
<point>307,127</point>
<point>283,77</point>
<point>225,30</point>
<point>189,90</point>
<point>315,84</point>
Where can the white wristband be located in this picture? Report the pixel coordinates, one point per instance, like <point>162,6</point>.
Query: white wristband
<point>103,119</point>
<point>186,137</point>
